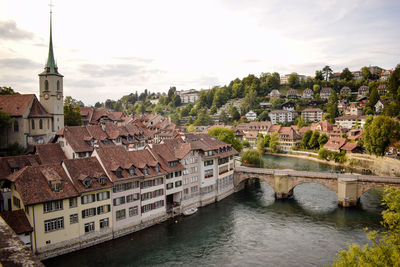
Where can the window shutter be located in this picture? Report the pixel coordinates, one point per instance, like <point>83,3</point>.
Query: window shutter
<point>108,208</point>
<point>108,194</point>
<point>83,214</point>
<point>142,209</point>
<point>162,202</point>
<point>98,210</point>
<point>153,194</point>
<point>141,185</point>
<point>142,197</point>
<point>115,201</point>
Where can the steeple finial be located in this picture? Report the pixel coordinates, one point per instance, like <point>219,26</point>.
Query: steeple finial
<point>51,66</point>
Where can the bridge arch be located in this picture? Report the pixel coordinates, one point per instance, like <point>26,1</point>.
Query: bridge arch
<point>242,177</point>
<point>332,186</point>
<point>364,187</point>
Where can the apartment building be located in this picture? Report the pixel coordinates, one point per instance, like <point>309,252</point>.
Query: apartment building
<point>282,116</point>
<point>312,114</point>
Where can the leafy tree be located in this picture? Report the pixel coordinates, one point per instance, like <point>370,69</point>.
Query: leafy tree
<point>373,99</point>
<point>203,119</point>
<point>237,90</point>
<point>6,91</point>
<point>267,139</point>
<point>253,158</point>
<point>332,108</point>
<point>323,153</point>
<point>227,136</point>
<point>316,88</point>
<point>276,103</point>
<point>245,143</point>
<point>15,149</point>
<point>327,72</point>
<point>378,133</point>
<point>346,75</point>
<point>300,122</point>
<point>394,82</point>
<point>191,129</point>
<point>305,139</point>
<point>98,105</point>
<point>235,115</point>
<point>313,143</point>
<point>249,101</point>
<point>260,143</point>
<point>273,143</point>
<point>384,249</point>
<point>176,101</point>
<point>365,73</point>
<point>323,139</point>
<point>223,117</point>
<point>5,120</point>
<point>263,116</point>
<point>72,112</point>
<point>319,75</point>
<point>294,80</point>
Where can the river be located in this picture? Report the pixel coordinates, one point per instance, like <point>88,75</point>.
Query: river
<point>249,228</point>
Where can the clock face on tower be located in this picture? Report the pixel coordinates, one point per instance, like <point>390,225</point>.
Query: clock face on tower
<point>46,96</point>
<point>58,96</point>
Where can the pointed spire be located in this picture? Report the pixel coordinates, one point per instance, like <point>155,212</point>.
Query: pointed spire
<point>51,66</point>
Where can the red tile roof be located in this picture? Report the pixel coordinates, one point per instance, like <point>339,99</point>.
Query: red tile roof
<point>33,184</point>
<point>7,164</point>
<point>18,221</point>
<point>335,143</point>
<point>50,153</point>
<point>16,105</point>
<point>37,110</point>
<point>76,136</point>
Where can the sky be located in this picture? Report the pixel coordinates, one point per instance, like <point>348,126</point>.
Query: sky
<point>107,49</point>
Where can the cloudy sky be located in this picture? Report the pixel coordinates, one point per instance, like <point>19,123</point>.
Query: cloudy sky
<point>106,49</point>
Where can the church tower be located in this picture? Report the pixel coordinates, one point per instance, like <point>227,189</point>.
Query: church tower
<point>51,88</point>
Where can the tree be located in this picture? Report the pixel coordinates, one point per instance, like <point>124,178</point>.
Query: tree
<point>346,75</point>
<point>72,112</point>
<point>384,249</point>
<point>253,158</point>
<point>223,117</point>
<point>98,105</point>
<point>267,139</point>
<point>245,143</point>
<point>294,80</point>
<point>260,143</point>
<point>300,122</point>
<point>323,139</point>
<point>249,101</point>
<point>313,143</point>
<point>373,99</point>
<point>191,129</point>
<point>316,88</point>
<point>203,118</point>
<point>227,136</point>
<point>323,153</point>
<point>378,134</point>
<point>305,139</point>
<point>176,101</point>
<point>394,82</point>
<point>365,73</point>
<point>6,91</point>
<point>263,116</point>
<point>319,75</point>
<point>235,115</point>
<point>332,108</point>
<point>5,120</point>
<point>327,72</point>
<point>273,143</point>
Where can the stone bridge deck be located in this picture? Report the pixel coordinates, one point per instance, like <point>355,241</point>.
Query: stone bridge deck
<point>348,187</point>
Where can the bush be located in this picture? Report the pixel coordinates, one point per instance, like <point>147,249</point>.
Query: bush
<point>253,158</point>
<point>246,143</point>
<point>323,154</point>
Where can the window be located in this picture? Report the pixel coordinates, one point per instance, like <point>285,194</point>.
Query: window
<point>102,180</point>
<point>58,85</point>
<point>132,171</point>
<point>16,126</point>
<point>158,193</point>
<point>61,143</point>
<point>170,185</point>
<point>208,162</point>
<point>194,179</point>
<point>159,204</point>
<point>88,199</point>
<point>133,211</point>
<point>120,214</point>
<point>46,85</point>
<point>119,201</point>
<point>132,197</point>
<point>89,227</point>
<point>88,213</point>
<point>157,168</point>
<point>103,195</point>
<point>16,202</point>
<point>40,124</point>
<point>104,223</point>
<point>186,191</point>
<point>208,173</point>
<point>73,202</point>
<point>103,209</point>
<point>33,124</point>
<point>118,173</point>
<point>194,189</point>
<point>145,171</point>
<point>185,181</point>
<point>73,218</point>
<point>147,195</point>
<point>87,182</point>
<point>54,224</point>
<point>52,206</point>
<point>185,171</point>
<point>193,169</point>
<point>178,183</point>
<point>146,184</point>
<point>147,208</point>
<point>158,181</point>
<point>179,173</point>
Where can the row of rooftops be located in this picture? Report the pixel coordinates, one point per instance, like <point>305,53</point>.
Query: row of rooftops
<point>48,175</point>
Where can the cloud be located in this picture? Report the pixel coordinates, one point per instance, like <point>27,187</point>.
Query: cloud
<point>136,59</point>
<point>116,70</point>
<point>18,64</point>
<point>9,30</point>
<point>83,83</point>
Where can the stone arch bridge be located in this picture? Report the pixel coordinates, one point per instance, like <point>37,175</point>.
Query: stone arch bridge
<point>348,187</point>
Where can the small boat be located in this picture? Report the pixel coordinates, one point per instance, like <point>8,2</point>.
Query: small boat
<point>190,211</point>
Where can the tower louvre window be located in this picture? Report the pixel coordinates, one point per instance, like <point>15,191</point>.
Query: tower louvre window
<point>40,124</point>
<point>46,85</point>
<point>58,85</point>
<point>33,124</point>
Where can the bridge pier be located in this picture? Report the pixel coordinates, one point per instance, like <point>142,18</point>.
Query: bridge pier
<point>281,187</point>
<point>347,192</point>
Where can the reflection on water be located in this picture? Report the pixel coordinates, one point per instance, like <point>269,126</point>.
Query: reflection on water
<point>248,228</point>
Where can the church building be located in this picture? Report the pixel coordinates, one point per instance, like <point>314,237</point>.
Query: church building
<point>36,121</point>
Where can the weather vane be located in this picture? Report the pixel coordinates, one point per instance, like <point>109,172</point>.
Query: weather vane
<point>51,6</point>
